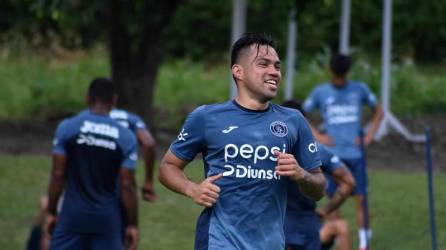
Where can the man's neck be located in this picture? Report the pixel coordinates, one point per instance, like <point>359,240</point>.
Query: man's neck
<point>250,103</point>
<point>100,109</point>
<point>339,82</point>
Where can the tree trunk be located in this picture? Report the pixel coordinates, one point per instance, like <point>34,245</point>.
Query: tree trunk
<point>136,57</point>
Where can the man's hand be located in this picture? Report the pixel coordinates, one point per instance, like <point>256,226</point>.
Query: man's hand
<point>288,166</point>
<point>148,192</point>
<point>367,140</point>
<point>131,238</point>
<point>206,193</point>
<point>50,223</point>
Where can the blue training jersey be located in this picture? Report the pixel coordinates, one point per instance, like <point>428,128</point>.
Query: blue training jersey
<point>341,110</point>
<point>239,143</point>
<point>96,147</point>
<point>128,120</point>
<point>301,221</point>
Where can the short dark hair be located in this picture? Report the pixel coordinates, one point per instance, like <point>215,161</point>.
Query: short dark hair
<point>246,41</point>
<point>101,90</point>
<point>340,64</point>
<point>294,105</point>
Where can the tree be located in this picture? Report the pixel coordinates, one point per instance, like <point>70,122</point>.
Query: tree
<point>136,30</point>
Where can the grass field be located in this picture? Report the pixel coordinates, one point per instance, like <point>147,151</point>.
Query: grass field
<point>398,203</point>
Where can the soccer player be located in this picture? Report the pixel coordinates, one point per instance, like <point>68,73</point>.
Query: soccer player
<point>251,148</point>
<point>340,102</point>
<point>146,144</point>
<point>302,221</point>
<point>93,163</point>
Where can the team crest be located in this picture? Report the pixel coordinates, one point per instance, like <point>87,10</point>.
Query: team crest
<point>278,128</point>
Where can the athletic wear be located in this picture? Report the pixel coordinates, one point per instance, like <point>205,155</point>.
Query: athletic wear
<point>302,224</point>
<point>239,143</point>
<point>341,110</point>
<point>96,147</point>
<point>128,120</point>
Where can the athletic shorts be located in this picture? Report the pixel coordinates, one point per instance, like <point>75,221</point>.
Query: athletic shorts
<point>302,231</point>
<point>63,240</point>
<point>357,169</point>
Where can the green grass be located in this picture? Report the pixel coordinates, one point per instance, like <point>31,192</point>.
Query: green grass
<point>398,204</point>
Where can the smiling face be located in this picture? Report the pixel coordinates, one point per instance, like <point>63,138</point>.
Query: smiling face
<point>258,73</point>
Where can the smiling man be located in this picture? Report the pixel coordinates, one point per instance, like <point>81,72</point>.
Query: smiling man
<point>251,149</point>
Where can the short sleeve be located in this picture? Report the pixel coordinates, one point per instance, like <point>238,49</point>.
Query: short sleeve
<point>60,138</point>
<point>367,95</point>
<point>330,161</point>
<point>129,151</point>
<point>137,122</point>
<point>306,149</point>
<point>311,102</point>
<point>190,141</point>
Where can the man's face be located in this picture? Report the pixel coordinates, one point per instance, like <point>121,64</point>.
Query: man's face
<point>260,72</point>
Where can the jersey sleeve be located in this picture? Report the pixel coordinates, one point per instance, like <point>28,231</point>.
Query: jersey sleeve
<point>190,141</point>
<point>305,150</point>
<point>60,138</point>
<point>129,150</point>
<point>311,102</point>
<point>330,161</point>
<point>137,122</point>
<point>367,95</point>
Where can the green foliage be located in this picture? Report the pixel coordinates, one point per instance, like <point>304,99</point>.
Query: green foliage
<point>399,208</point>
<point>201,29</point>
<point>42,87</point>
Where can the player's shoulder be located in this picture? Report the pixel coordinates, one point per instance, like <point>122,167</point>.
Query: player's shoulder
<point>323,86</point>
<point>291,114</point>
<point>358,84</point>
<point>209,109</point>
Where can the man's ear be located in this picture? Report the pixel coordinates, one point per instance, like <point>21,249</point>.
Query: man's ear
<point>237,71</point>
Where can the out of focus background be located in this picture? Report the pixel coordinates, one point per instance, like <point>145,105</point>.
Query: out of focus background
<point>168,57</point>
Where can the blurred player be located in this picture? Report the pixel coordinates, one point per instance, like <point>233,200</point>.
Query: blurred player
<point>251,148</point>
<point>146,144</point>
<point>340,102</point>
<point>93,163</point>
<point>335,231</point>
<point>302,221</point>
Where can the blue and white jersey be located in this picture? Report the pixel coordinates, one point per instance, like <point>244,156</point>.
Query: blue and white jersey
<point>301,218</point>
<point>128,120</point>
<point>239,143</point>
<point>96,147</point>
<point>341,110</point>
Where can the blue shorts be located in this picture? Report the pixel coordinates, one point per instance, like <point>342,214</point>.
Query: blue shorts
<point>63,240</point>
<point>357,169</point>
<point>302,231</point>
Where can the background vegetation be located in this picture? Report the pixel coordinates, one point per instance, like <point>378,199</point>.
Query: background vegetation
<point>50,87</point>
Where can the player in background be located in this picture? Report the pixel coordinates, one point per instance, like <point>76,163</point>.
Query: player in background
<point>251,149</point>
<point>146,145</point>
<point>340,102</point>
<point>302,221</point>
<point>93,163</point>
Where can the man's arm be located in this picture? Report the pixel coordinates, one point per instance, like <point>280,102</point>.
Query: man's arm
<point>346,184</point>
<point>147,144</point>
<point>171,175</point>
<point>378,115</point>
<point>55,189</point>
<point>311,183</point>
<point>130,204</point>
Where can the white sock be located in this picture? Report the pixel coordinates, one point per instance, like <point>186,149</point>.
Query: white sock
<point>364,235</point>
